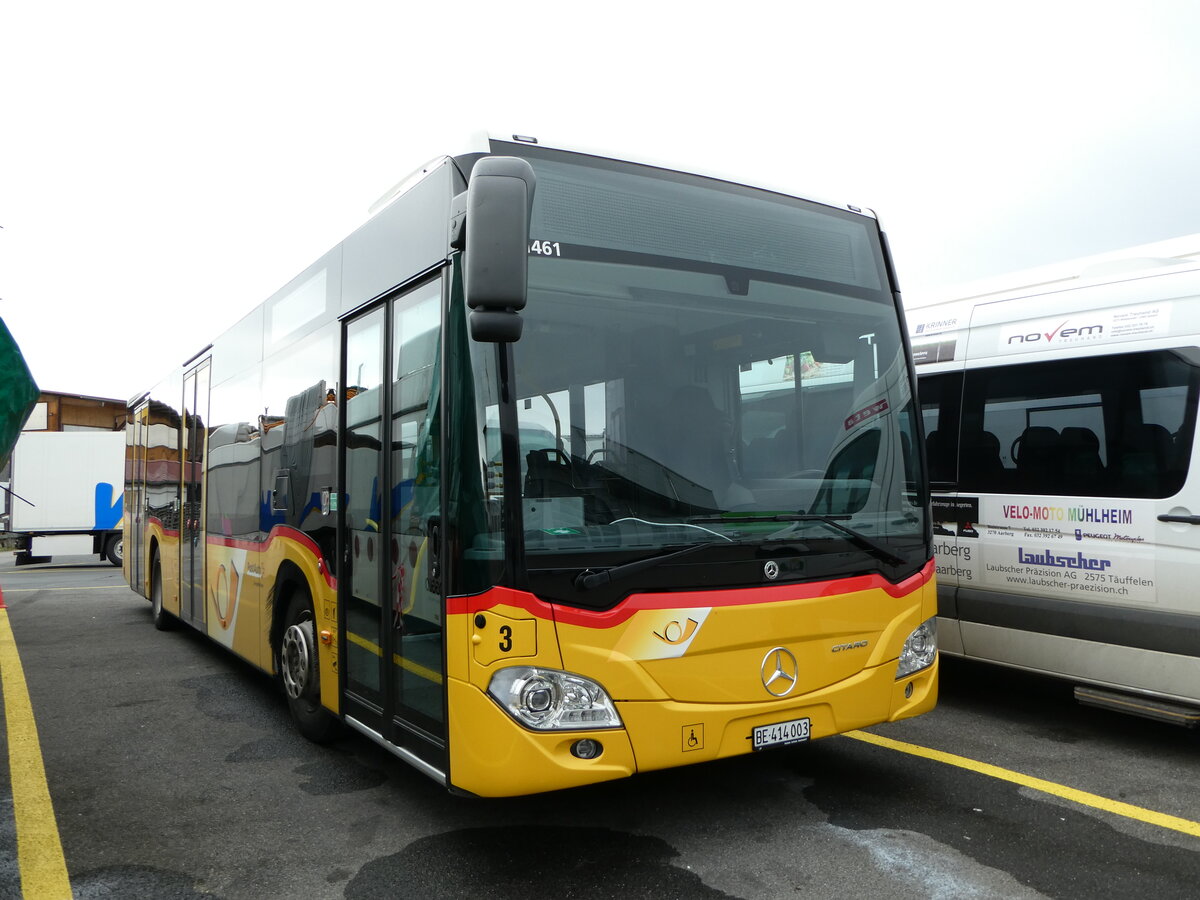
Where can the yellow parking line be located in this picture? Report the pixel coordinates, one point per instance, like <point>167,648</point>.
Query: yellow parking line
<point>1128,810</point>
<point>51,572</point>
<point>94,587</point>
<point>39,850</point>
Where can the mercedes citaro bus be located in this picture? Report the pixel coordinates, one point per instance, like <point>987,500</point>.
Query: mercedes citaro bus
<point>558,469</point>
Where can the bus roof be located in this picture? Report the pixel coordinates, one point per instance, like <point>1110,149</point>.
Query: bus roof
<point>481,143</point>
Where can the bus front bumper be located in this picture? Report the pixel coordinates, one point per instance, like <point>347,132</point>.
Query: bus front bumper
<point>492,756</point>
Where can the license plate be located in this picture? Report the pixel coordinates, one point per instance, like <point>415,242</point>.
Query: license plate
<point>781,734</point>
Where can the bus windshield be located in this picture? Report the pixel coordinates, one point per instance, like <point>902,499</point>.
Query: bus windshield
<point>704,363</point>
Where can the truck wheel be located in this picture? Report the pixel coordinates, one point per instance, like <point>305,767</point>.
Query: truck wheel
<point>114,549</point>
<point>163,620</point>
<point>298,669</point>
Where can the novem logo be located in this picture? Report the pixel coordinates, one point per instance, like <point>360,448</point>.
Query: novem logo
<point>1060,333</point>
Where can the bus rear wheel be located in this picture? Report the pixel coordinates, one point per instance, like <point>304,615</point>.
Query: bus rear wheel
<point>163,620</point>
<point>300,672</point>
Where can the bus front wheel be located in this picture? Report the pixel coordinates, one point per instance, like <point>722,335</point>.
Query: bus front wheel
<point>298,669</point>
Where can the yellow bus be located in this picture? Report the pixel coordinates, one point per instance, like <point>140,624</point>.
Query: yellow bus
<point>558,469</point>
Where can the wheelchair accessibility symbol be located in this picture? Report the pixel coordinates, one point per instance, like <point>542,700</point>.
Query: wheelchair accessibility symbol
<point>693,737</point>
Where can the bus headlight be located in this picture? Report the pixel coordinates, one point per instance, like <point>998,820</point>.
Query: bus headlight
<point>919,650</point>
<point>550,700</point>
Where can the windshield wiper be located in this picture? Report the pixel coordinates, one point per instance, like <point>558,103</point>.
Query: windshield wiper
<point>587,579</point>
<point>860,540</point>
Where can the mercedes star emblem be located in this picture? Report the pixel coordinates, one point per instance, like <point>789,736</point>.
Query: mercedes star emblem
<point>779,672</point>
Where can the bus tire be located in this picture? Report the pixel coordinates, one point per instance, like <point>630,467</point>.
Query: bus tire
<point>163,620</point>
<point>114,549</point>
<point>300,672</point>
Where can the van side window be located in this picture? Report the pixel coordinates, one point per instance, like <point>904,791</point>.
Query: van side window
<point>941,396</point>
<point>1115,426</point>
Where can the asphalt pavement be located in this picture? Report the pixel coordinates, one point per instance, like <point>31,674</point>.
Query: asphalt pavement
<point>175,773</point>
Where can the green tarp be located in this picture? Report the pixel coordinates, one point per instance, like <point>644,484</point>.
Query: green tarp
<point>18,393</point>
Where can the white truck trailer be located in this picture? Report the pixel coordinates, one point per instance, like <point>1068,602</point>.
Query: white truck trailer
<point>65,495</point>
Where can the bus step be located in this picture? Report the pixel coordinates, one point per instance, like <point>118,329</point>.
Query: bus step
<point>1146,707</point>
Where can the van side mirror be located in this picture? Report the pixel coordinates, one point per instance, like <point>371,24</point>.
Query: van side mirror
<point>499,206</point>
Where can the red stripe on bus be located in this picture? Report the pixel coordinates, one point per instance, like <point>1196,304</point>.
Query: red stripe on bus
<point>279,531</point>
<point>285,532</point>
<point>685,599</point>
<point>166,532</point>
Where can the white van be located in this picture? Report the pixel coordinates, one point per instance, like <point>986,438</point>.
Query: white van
<point>1060,422</point>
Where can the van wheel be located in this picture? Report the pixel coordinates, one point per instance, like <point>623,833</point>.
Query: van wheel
<point>114,549</point>
<point>163,620</point>
<point>299,670</point>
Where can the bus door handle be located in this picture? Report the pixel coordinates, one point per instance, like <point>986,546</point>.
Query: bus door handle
<point>1186,520</point>
<point>433,575</point>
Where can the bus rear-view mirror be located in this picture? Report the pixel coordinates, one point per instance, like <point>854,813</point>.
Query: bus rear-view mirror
<point>499,205</point>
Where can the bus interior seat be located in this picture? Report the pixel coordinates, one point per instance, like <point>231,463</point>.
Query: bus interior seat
<point>982,468</point>
<point>699,438</point>
<point>549,473</point>
<point>758,457</point>
<point>552,474</point>
<point>776,455</point>
<point>1083,470</point>
<point>1038,454</point>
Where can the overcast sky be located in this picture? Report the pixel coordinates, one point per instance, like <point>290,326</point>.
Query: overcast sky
<point>165,167</point>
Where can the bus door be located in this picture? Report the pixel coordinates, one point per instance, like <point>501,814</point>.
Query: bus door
<point>192,535</point>
<point>390,603</point>
<point>135,503</point>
